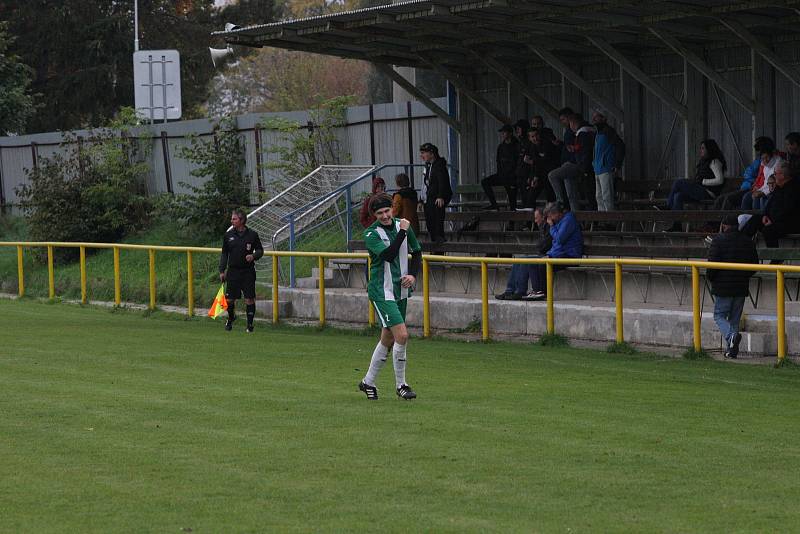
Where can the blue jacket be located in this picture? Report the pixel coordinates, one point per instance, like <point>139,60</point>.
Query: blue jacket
<point>608,152</point>
<point>750,175</point>
<point>567,238</point>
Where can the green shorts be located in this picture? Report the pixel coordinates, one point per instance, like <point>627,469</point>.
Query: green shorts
<point>390,312</point>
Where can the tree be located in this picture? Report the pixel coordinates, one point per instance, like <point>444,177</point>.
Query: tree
<point>81,52</point>
<point>280,80</point>
<point>16,101</point>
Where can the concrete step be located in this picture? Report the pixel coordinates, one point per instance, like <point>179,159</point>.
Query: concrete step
<point>264,308</point>
<point>580,320</point>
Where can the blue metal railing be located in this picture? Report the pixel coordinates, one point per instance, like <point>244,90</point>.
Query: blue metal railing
<point>346,189</point>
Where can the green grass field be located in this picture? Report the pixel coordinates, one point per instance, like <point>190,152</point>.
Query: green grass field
<point>121,421</point>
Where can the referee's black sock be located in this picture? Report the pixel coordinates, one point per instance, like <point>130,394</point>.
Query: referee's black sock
<point>251,313</point>
<point>231,311</point>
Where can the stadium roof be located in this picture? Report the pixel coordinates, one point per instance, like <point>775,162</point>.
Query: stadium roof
<point>457,34</point>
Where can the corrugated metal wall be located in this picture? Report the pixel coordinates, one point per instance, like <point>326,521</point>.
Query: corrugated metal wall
<point>393,134</point>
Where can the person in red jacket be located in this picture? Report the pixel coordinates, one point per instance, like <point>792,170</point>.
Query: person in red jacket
<point>378,187</point>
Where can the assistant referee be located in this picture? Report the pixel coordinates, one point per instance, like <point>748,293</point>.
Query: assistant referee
<point>241,248</point>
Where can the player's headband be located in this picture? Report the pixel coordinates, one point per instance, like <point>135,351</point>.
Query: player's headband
<point>380,203</point>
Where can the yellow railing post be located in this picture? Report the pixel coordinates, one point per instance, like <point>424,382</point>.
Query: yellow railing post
<point>275,273</point>
<point>83,275</point>
<point>618,300</point>
<point>117,281</point>
<point>781,304</point>
<point>371,312</point>
<point>698,345</point>
<point>20,272</point>
<point>321,268</point>
<point>484,301</point>
<point>189,283</point>
<point>426,299</point>
<point>152,254</point>
<point>51,279</point>
<point>551,326</point>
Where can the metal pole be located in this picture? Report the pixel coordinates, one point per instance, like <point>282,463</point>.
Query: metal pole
<point>135,25</point>
<point>618,299</point>
<point>348,202</point>
<point>117,281</point>
<point>190,283</point>
<point>321,274</point>
<point>426,297</point>
<point>50,274</point>
<point>551,328</point>
<point>781,296</point>
<point>83,274</point>
<point>275,275</point>
<point>20,272</point>
<point>150,85</point>
<point>696,307</point>
<point>291,248</point>
<point>152,254</point>
<point>484,301</point>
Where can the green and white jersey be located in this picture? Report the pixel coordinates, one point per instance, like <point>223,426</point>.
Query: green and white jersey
<point>384,276</point>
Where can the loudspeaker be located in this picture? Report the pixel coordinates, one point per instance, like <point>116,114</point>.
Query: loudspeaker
<point>218,55</point>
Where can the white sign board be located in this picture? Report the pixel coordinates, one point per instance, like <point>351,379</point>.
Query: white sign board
<point>157,84</point>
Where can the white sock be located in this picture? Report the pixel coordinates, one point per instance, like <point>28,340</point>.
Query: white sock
<point>376,364</point>
<point>399,355</point>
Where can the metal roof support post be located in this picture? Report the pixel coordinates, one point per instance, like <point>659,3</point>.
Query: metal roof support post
<point>639,75</point>
<point>419,95</point>
<point>609,105</point>
<point>631,98</point>
<point>707,70</point>
<point>506,73</point>
<point>763,83</point>
<point>694,132</point>
<point>459,84</point>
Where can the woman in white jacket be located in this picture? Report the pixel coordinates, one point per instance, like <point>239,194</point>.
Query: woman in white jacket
<point>708,181</point>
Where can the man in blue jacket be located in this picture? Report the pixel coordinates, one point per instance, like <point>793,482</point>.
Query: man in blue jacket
<point>567,243</point>
<point>609,152</point>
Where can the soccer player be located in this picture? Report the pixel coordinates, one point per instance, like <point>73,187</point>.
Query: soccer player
<point>241,248</point>
<point>392,274</point>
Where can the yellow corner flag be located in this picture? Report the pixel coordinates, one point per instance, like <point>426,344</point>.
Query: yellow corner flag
<point>219,305</point>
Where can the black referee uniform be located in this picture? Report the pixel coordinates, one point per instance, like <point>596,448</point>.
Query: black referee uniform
<point>240,274</point>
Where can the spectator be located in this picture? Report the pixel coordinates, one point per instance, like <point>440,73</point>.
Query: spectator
<point>733,200</point>
<point>728,286</point>
<point>780,216</point>
<point>378,187</point>
<point>521,128</point>
<point>609,153</point>
<point>771,186</point>
<point>769,157</point>
<point>541,157</point>
<point>507,154</point>
<point>707,183</point>
<point>566,167</point>
<point>437,191</point>
<point>517,286</point>
<point>537,123</point>
<point>576,158</point>
<point>567,243</point>
<point>792,144</point>
<point>404,202</point>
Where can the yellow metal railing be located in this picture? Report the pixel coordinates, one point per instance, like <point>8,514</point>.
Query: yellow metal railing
<point>483,263</point>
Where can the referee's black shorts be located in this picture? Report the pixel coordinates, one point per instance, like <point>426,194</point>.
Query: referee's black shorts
<point>240,281</point>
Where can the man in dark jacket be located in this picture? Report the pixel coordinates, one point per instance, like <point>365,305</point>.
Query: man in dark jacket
<point>730,287</point>
<point>780,216</point>
<point>437,191</point>
<point>564,179</point>
<point>507,155</point>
